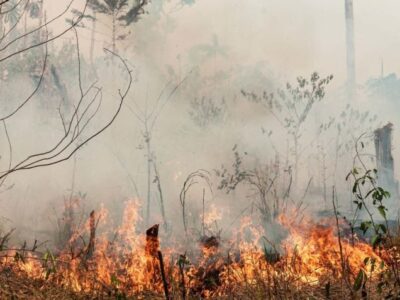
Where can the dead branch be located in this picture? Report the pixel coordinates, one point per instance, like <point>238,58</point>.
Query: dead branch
<point>84,112</point>
<point>189,182</point>
<point>68,143</point>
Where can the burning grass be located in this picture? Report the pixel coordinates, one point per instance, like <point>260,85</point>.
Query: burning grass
<point>310,262</point>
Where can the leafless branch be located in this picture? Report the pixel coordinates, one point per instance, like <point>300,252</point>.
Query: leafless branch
<point>4,2</point>
<point>75,128</point>
<point>35,90</point>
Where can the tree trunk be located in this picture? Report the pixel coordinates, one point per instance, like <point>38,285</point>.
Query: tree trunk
<point>296,161</point>
<point>162,207</point>
<point>384,158</point>
<point>324,177</point>
<point>350,53</point>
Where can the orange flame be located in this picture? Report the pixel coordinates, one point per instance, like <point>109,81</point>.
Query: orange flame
<point>126,261</point>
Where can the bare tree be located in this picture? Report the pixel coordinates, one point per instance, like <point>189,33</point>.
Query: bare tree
<point>148,119</point>
<point>75,125</point>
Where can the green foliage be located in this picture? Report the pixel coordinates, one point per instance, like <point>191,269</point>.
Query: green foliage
<point>123,10</point>
<point>370,197</point>
<point>366,191</point>
<point>206,111</point>
<point>291,105</point>
<point>108,7</point>
<point>135,11</point>
<point>360,281</point>
<point>260,179</point>
<point>230,179</point>
<point>49,263</point>
<point>352,122</point>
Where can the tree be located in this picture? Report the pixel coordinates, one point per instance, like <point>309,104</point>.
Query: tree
<point>121,13</point>
<point>135,11</point>
<point>114,9</point>
<point>291,107</point>
<point>148,120</point>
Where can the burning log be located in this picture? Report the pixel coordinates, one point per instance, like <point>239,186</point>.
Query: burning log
<point>152,242</point>
<point>155,261</point>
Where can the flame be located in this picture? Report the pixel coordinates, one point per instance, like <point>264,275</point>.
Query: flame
<point>126,261</point>
<point>213,215</point>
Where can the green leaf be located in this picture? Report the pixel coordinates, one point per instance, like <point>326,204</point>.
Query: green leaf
<point>364,226</point>
<point>360,279</point>
<point>383,228</point>
<point>376,240</point>
<point>382,265</point>
<point>355,187</point>
<point>382,211</point>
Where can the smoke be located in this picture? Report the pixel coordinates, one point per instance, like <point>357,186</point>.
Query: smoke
<point>211,50</point>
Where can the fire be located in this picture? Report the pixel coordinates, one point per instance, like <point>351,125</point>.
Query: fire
<point>212,216</point>
<point>317,251</point>
<point>131,263</point>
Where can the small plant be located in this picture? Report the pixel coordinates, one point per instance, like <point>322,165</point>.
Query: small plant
<point>260,179</point>
<point>370,197</point>
<point>367,192</point>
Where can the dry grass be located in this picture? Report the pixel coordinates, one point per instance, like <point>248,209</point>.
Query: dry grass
<point>17,286</point>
